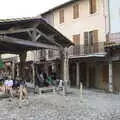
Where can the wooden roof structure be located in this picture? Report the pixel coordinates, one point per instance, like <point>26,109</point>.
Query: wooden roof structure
<point>18,35</point>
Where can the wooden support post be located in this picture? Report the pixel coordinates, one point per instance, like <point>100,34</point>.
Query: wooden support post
<point>17,70</point>
<point>33,73</point>
<point>13,69</point>
<point>22,57</point>
<point>77,75</point>
<point>110,77</point>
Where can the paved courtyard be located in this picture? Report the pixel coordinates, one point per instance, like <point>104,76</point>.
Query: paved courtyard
<point>95,105</point>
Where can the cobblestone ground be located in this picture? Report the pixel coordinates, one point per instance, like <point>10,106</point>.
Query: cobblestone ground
<point>95,105</point>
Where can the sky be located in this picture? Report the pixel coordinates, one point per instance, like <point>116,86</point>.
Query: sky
<point>26,8</point>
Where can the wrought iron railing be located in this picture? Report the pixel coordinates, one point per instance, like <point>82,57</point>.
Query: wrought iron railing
<point>77,51</point>
<point>82,50</point>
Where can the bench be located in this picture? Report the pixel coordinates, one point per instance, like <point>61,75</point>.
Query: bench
<point>46,89</point>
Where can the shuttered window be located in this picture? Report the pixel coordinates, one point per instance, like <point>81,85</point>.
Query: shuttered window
<point>76,11</point>
<point>92,6</point>
<point>91,37</point>
<point>91,41</point>
<point>86,39</point>
<point>76,39</point>
<point>61,16</point>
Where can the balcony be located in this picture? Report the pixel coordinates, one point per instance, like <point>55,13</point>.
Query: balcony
<point>96,49</point>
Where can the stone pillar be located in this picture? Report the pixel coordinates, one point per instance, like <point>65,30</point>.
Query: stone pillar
<point>110,77</point>
<point>87,75</point>
<point>68,76</point>
<point>64,67</point>
<point>77,75</point>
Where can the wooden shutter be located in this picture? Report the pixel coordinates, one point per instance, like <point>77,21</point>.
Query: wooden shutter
<point>91,38</point>
<point>86,43</point>
<point>76,39</point>
<point>86,37</point>
<point>92,4</point>
<point>76,11</point>
<point>95,36</point>
<point>95,40</point>
<point>61,16</point>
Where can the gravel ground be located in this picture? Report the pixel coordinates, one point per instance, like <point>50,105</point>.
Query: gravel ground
<point>94,105</point>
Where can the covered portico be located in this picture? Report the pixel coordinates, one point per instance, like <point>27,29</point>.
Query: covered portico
<point>113,55</point>
<point>17,36</point>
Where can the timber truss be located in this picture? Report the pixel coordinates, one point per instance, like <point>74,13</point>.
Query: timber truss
<point>29,34</point>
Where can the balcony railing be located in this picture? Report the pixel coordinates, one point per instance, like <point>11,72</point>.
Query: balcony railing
<point>76,51</point>
<point>83,50</point>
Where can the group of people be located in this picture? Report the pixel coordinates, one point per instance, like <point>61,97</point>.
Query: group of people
<point>44,80</point>
<point>11,86</point>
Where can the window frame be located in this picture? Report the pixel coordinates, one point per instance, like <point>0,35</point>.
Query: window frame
<point>75,11</point>
<point>76,39</point>
<point>61,16</point>
<point>92,6</point>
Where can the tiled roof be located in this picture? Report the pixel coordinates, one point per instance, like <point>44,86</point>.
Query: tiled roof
<point>59,6</point>
<point>18,19</point>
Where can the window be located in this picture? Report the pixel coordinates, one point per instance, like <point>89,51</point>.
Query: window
<point>92,4</point>
<point>76,39</point>
<point>76,11</point>
<point>91,41</point>
<point>61,16</point>
<point>91,37</point>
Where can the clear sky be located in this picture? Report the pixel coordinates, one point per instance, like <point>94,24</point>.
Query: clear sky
<point>25,8</point>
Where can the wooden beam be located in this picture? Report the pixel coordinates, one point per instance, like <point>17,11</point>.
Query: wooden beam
<point>37,37</point>
<point>23,42</point>
<point>47,37</point>
<point>16,31</point>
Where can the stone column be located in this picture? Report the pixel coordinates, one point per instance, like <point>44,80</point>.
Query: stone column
<point>64,67</point>
<point>77,75</point>
<point>110,77</point>
<point>68,76</point>
<point>87,75</point>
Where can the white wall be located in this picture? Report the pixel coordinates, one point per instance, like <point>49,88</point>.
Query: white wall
<point>115,15</point>
<point>85,22</point>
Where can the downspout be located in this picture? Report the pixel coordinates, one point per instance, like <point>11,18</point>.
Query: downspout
<point>109,17</point>
<point>106,11</point>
